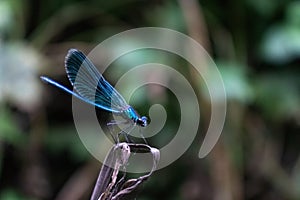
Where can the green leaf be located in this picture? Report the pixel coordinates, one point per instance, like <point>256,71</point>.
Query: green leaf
<point>236,81</point>
<point>65,138</point>
<point>11,194</point>
<point>168,15</point>
<point>9,131</point>
<point>278,95</point>
<point>281,43</point>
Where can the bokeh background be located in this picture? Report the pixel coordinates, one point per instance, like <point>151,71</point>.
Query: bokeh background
<point>256,46</point>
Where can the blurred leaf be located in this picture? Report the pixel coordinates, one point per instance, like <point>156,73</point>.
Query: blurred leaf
<point>169,15</point>
<point>8,129</point>
<point>11,194</point>
<point>66,139</point>
<point>278,95</point>
<point>265,8</point>
<point>6,20</point>
<point>281,43</point>
<point>19,82</point>
<point>293,13</point>
<point>236,82</point>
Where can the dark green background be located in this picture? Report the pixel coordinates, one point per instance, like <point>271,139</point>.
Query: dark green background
<point>256,46</point>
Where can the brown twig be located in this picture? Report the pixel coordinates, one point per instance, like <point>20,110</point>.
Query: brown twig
<point>108,187</point>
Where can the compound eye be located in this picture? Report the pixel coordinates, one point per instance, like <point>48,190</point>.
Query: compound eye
<point>144,120</point>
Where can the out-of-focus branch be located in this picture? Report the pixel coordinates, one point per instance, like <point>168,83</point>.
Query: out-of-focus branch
<point>265,159</point>
<point>195,22</point>
<point>79,183</point>
<point>225,176</point>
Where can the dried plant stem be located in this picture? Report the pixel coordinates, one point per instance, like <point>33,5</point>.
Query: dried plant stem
<point>108,187</point>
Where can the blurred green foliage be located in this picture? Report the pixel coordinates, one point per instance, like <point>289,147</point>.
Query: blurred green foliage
<point>11,194</point>
<point>9,130</point>
<point>256,46</point>
<point>282,43</point>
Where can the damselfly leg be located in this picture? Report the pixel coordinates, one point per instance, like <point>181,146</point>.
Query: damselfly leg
<point>124,131</point>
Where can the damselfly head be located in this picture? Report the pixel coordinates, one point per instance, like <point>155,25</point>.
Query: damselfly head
<point>142,121</point>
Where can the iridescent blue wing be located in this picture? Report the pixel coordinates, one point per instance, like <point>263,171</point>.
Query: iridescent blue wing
<point>52,82</point>
<point>90,84</point>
